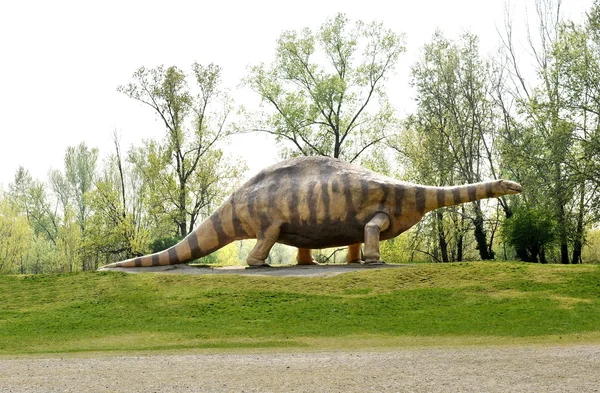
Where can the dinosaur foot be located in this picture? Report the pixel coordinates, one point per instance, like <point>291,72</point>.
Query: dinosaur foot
<point>258,266</point>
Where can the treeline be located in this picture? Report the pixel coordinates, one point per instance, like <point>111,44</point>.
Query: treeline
<point>477,118</point>
<point>93,213</point>
<point>485,118</point>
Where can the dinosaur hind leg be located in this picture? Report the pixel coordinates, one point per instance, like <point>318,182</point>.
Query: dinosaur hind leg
<point>353,255</point>
<point>264,242</point>
<point>305,257</point>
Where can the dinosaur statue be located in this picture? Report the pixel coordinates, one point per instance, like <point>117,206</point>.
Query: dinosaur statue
<point>317,202</point>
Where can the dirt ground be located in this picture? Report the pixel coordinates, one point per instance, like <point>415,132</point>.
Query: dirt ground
<point>534,369</point>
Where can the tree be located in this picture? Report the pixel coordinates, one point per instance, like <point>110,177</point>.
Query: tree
<point>336,109</point>
<point>80,168</point>
<point>451,136</point>
<point>578,50</point>
<point>115,229</point>
<point>529,231</point>
<point>186,173</point>
<point>79,177</point>
<point>31,199</point>
<point>425,156</point>
<point>68,243</point>
<point>15,237</point>
<point>548,139</point>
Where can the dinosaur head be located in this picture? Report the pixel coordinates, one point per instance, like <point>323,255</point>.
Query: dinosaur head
<point>504,187</point>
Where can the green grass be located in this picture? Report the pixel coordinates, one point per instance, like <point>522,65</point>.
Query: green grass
<point>426,304</point>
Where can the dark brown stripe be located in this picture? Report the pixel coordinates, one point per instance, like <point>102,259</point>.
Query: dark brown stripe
<point>364,191</point>
<point>441,197</point>
<point>155,259</point>
<point>265,223</point>
<point>293,206</point>
<point>138,262</point>
<point>172,255</point>
<point>218,226</point>
<point>335,185</point>
<point>192,241</point>
<point>325,200</point>
<point>398,199</point>
<point>489,189</point>
<point>272,206</point>
<point>347,189</point>
<point>420,199</point>
<point>312,203</point>
<point>325,197</point>
<point>385,196</point>
<point>251,208</point>
<point>456,196</point>
<point>472,192</point>
<point>238,228</point>
<point>252,196</point>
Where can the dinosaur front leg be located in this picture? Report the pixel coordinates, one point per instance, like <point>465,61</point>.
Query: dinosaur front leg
<point>373,228</point>
<point>304,257</point>
<point>264,242</point>
<point>353,255</point>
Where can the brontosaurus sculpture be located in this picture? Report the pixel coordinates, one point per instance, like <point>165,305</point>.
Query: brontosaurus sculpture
<point>318,202</point>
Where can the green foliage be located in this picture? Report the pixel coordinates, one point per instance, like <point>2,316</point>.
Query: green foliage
<point>29,197</point>
<point>127,312</point>
<point>529,231</point>
<point>42,257</point>
<point>591,250</point>
<point>150,162</point>
<point>185,174</point>
<point>326,88</point>
<point>397,249</point>
<point>550,124</point>
<point>163,243</point>
<point>283,255</point>
<point>228,255</point>
<point>80,167</point>
<point>15,237</point>
<point>449,141</point>
<point>115,229</point>
<point>68,243</point>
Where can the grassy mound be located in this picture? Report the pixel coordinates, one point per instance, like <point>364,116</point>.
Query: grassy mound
<point>417,305</point>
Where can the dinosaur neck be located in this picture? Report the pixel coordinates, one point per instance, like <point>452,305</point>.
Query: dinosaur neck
<point>436,197</point>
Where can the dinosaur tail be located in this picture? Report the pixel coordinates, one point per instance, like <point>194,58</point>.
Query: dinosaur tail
<point>205,239</point>
<point>436,197</point>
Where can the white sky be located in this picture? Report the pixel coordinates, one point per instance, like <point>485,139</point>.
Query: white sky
<point>61,61</point>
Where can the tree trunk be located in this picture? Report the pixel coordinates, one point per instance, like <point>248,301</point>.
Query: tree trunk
<point>577,247</point>
<point>561,219</point>
<point>480,236</point>
<point>460,237</point>
<point>578,243</point>
<point>441,237</point>
<point>524,255</point>
<point>543,255</point>
<point>562,235</point>
<point>182,202</point>
<point>507,210</point>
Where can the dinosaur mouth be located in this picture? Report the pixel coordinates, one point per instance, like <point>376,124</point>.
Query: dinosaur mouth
<point>512,187</point>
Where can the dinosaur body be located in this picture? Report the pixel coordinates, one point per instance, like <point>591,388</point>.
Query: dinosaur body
<point>317,202</point>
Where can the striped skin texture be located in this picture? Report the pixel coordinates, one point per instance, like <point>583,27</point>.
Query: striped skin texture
<point>315,202</point>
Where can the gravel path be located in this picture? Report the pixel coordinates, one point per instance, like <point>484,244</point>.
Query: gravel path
<point>536,369</point>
